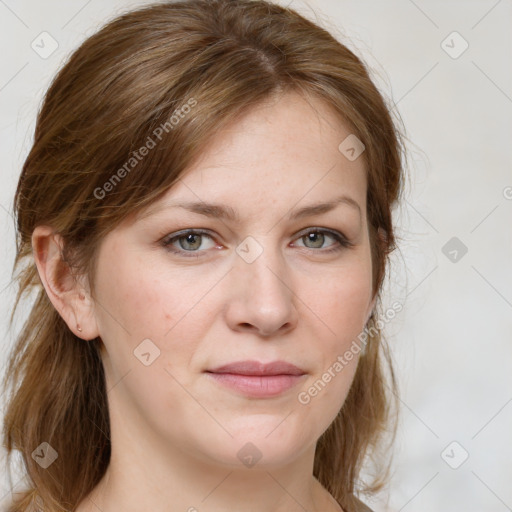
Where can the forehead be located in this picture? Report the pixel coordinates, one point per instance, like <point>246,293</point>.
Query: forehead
<point>284,152</point>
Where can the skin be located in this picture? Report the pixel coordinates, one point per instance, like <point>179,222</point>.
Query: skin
<point>175,432</point>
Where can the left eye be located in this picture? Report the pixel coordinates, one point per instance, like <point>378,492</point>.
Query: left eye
<point>190,241</point>
<point>318,237</point>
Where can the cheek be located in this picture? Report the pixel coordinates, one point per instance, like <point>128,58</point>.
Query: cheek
<point>338,356</point>
<point>128,313</point>
<point>340,301</point>
<point>339,304</point>
<point>141,297</point>
<point>141,301</point>
<point>326,394</point>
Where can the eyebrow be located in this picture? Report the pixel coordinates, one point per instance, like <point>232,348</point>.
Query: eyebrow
<point>230,214</point>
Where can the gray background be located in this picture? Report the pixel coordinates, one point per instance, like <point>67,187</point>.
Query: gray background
<point>452,341</point>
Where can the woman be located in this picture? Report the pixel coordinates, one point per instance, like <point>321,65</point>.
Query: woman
<point>206,210</point>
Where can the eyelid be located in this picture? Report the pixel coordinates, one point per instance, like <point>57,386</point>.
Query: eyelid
<point>338,236</point>
<point>342,241</point>
<point>305,231</point>
<point>168,240</point>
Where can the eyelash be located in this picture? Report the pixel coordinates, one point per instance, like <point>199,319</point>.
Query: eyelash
<point>343,243</point>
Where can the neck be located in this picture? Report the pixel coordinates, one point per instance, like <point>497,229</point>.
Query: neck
<point>172,480</point>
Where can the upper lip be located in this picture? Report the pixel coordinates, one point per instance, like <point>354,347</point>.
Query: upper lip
<point>257,368</point>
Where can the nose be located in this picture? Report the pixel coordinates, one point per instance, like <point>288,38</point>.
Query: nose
<point>261,297</point>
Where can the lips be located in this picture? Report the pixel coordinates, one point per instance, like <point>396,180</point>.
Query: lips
<point>258,380</point>
<point>256,368</point>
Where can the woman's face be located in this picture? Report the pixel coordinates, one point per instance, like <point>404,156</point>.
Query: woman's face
<point>262,283</point>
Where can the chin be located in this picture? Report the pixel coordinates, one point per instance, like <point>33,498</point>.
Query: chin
<point>267,447</point>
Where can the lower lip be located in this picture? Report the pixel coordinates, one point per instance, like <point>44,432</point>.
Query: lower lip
<point>257,385</point>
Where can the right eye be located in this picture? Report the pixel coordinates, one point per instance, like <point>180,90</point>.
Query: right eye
<point>189,241</point>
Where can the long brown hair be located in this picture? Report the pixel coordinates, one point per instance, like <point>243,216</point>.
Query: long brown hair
<point>129,83</point>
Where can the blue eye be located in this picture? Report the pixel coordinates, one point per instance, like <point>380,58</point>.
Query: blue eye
<point>190,241</point>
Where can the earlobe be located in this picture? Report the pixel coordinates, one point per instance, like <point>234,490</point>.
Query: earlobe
<point>369,311</point>
<point>62,289</point>
<point>383,238</point>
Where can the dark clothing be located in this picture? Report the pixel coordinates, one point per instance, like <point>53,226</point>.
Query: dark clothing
<point>362,507</point>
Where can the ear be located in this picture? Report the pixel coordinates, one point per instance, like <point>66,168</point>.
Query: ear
<point>67,294</point>
<point>370,309</point>
<point>381,233</point>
